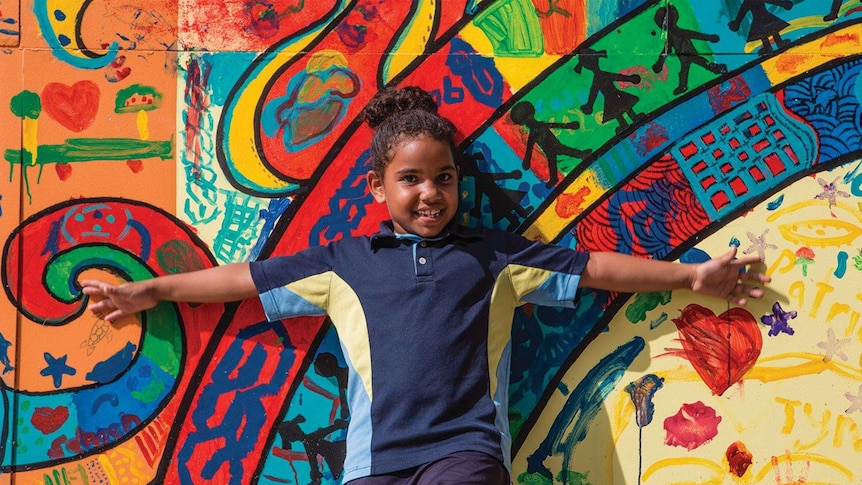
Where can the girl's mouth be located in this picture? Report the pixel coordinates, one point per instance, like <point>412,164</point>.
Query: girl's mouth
<point>430,213</point>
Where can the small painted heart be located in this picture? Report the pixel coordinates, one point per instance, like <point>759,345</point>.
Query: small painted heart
<point>64,171</point>
<point>47,420</point>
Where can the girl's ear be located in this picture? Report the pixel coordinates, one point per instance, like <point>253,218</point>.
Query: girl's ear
<point>375,186</point>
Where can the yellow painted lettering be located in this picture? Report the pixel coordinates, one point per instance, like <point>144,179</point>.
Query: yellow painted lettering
<point>822,423</point>
<point>837,309</point>
<point>845,424</point>
<point>823,289</point>
<point>789,413</point>
<point>851,326</point>
<point>785,255</point>
<point>797,291</point>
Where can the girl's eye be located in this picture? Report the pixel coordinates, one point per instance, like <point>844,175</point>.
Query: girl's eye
<point>445,177</point>
<point>409,178</point>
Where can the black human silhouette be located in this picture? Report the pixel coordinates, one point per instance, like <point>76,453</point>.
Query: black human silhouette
<point>503,202</point>
<point>540,135</point>
<point>618,103</point>
<point>326,365</point>
<point>680,43</point>
<point>833,12</point>
<point>316,445</point>
<point>765,26</point>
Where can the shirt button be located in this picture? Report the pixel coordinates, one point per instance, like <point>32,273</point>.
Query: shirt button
<point>422,260</point>
<point>423,244</point>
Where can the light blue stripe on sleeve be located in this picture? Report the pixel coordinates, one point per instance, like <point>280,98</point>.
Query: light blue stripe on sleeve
<point>559,289</point>
<point>281,303</point>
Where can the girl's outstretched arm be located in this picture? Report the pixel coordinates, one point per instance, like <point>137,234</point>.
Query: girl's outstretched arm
<point>231,282</point>
<point>723,277</point>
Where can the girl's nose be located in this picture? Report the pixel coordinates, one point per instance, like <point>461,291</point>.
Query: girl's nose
<point>430,191</point>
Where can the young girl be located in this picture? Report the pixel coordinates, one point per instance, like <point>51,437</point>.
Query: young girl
<point>424,308</point>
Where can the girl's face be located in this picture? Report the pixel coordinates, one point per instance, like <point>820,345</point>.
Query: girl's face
<point>419,186</point>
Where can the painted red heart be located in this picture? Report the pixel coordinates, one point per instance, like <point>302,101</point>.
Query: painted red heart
<point>135,165</point>
<point>721,348</point>
<point>74,106</point>
<point>64,170</point>
<point>47,420</point>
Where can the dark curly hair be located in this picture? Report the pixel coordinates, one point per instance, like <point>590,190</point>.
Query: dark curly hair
<point>403,113</point>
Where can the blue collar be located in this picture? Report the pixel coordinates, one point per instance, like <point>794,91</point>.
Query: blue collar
<point>387,237</point>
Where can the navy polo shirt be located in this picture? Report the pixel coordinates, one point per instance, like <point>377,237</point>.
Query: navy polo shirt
<point>425,327</point>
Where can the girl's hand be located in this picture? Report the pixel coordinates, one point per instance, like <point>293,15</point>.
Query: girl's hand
<point>112,302</point>
<point>729,278</point>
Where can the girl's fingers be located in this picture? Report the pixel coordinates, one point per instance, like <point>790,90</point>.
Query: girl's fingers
<point>730,255</point>
<point>740,293</point>
<point>754,276</point>
<point>102,306</point>
<point>746,260</point>
<point>113,315</point>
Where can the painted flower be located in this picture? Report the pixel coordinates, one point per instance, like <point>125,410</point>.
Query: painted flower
<point>692,426</point>
<point>804,257</point>
<point>738,458</point>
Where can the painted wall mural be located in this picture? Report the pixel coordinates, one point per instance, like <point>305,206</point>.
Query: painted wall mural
<point>159,136</point>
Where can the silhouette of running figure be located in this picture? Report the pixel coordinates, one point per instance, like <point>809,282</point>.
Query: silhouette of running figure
<point>680,43</point>
<point>618,103</point>
<point>315,443</point>
<point>541,135</point>
<point>833,12</point>
<point>503,202</point>
<point>765,26</point>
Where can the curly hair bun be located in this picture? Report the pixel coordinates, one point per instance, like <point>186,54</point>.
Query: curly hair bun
<point>391,101</point>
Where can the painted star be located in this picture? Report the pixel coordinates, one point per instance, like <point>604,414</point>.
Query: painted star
<point>779,320</point>
<point>759,244</point>
<point>855,401</point>
<point>833,346</point>
<point>830,193</point>
<point>57,368</point>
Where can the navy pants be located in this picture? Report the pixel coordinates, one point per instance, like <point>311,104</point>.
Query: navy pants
<point>463,468</point>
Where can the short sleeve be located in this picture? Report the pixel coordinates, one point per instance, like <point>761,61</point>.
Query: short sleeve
<point>292,286</point>
<point>544,274</point>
